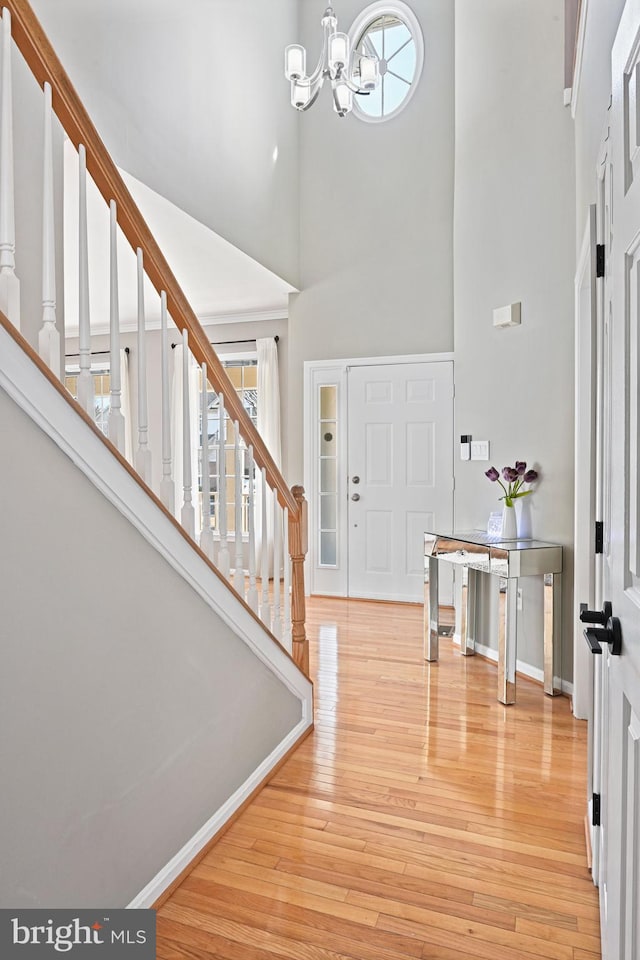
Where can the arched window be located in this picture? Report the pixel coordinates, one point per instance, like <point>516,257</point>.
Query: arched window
<point>390,32</point>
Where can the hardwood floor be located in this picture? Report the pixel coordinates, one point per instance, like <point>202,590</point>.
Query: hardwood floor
<point>422,819</point>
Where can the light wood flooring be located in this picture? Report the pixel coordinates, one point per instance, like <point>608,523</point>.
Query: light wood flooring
<point>421,819</point>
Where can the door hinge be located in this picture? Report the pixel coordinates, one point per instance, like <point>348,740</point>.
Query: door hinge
<point>599,259</point>
<point>599,543</point>
<point>595,811</point>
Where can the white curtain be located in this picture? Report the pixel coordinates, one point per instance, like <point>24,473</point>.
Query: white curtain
<point>125,404</point>
<point>269,429</point>
<point>177,434</point>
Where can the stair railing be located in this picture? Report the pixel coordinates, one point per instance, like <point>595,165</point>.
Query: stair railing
<point>279,604</point>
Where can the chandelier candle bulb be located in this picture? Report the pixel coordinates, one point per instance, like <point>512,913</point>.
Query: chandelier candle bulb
<point>300,95</point>
<point>369,73</point>
<point>295,62</point>
<point>338,52</point>
<point>343,99</point>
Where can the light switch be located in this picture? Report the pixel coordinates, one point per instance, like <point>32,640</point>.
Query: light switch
<point>509,316</point>
<point>479,449</point>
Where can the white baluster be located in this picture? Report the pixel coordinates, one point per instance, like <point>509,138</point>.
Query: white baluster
<point>252,596</point>
<point>143,454</point>
<point>48,338</point>
<point>9,283</point>
<point>116,418</point>
<point>224,562</point>
<point>276,627</point>
<point>86,394</point>
<point>167,486</point>
<point>187,514</point>
<point>206,536</point>
<point>286,561</point>
<point>238,574</point>
<point>265,609</point>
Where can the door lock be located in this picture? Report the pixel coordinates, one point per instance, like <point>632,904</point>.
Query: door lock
<point>610,630</point>
<point>355,496</point>
<point>355,479</point>
<point>595,616</point>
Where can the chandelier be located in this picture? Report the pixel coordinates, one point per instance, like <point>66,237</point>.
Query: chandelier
<point>349,73</point>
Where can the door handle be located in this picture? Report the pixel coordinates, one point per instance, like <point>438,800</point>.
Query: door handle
<point>355,496</point>
<point>612,634</point>
<point>595,616</point>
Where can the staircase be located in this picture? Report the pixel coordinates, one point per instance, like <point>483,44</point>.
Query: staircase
<point>149,690</point>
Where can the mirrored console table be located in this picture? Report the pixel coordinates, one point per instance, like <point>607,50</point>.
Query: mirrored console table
<point>504,561</point>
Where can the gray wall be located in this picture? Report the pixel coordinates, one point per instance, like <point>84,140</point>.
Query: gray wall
<point>514,216</point>
<point>128,711</point>
<point>194,104</point>
<point>594,95</point>
<point>376,208</point>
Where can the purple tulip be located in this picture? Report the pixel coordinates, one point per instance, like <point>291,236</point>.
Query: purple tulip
<point>510,474</point>
<point>530,476</point>
<point>492,473</point>
<point>521,466</point>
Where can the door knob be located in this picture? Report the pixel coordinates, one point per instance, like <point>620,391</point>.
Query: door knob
<point>355,479</point>
<point>355,496</point>
<point>596,616</point>
<point>612,634</point>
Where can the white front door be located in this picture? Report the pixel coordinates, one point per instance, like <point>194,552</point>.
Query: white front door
<point>620,870</point>
<point>400,474</point>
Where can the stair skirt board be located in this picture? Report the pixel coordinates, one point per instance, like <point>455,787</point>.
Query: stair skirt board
<point>179,867</point>
<point>28,386</point>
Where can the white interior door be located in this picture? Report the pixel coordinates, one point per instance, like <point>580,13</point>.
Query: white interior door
<point>400,466</point>
<point>620,870</point>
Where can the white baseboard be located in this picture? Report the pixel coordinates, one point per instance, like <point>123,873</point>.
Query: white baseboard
<point>526,669</point>
<point>172,870</point>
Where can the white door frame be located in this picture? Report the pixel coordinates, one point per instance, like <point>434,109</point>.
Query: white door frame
<point>315,373</point>
<point>585,462</point>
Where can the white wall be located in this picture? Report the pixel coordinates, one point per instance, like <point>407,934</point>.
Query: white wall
<point>376,206</point>
<point>191,99</point>
<point>514,217</point>
<point>129,710</point>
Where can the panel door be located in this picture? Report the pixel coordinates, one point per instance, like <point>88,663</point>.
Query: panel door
<point>400,467</point>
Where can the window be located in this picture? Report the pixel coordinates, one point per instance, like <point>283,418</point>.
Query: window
<point>244,377</point>
<point>328,479</point>
<point>390,32</point>
<point>101,387</point>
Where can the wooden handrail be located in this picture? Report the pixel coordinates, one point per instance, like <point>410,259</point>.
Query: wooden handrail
<point>46,67</point>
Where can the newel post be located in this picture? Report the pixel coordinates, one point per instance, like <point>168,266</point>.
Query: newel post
<point>298,539</point>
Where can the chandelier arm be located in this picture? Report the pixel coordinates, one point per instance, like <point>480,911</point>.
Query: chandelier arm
<point>351,85</point>
<point>336,101</point>
<point>316,75</point>
<point>312,99</point>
